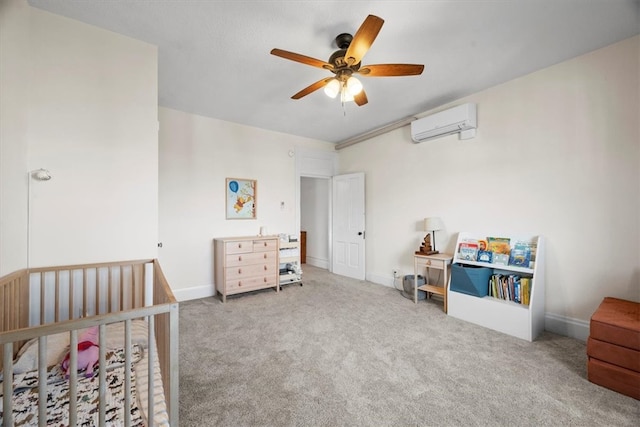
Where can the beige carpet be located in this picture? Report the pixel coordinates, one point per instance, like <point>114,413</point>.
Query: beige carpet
<point>341,352</point>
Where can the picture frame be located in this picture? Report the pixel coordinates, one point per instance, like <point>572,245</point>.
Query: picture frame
<point>241,198</point>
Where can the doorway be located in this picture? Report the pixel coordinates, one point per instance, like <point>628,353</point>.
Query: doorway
<point>314,219</point>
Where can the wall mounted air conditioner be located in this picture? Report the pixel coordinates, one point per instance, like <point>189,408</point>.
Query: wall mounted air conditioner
<point>457,119</point>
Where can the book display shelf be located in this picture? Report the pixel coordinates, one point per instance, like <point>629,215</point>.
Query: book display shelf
<point>497,282</point>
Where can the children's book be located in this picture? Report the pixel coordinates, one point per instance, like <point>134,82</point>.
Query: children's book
<point>468,251</point>
<point>485,256</point>
<point>499,245</point>
<point>500,259</point>
<point>520,254</point>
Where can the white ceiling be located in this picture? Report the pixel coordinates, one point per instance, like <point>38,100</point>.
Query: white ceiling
<point>213,56</point>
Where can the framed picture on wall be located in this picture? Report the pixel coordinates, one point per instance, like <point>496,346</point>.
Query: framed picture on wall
<point>241,196</point>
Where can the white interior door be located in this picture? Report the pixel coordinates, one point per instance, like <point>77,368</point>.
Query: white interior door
<point>348,225</point>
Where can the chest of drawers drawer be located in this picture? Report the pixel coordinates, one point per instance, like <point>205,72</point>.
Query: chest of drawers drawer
<point>250,270</point>
<point>234,286</point>
<point>251,258</point>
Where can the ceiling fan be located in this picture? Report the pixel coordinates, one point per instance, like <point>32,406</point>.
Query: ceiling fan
<point>346,62</point>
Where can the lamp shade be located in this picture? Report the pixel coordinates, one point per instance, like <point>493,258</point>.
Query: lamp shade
<point>332,88</point>
<point>433,223</point>
<point>354,86</point>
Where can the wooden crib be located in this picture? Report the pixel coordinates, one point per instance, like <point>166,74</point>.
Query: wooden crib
<point>44,309</point>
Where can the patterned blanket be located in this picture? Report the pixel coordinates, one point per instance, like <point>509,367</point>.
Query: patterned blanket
<point>25,395</point>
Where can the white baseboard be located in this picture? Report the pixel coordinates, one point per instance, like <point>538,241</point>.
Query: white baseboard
<point>195,292</point>
<point>316,262</point>
<point>562,325</point>
<point>382,280</point>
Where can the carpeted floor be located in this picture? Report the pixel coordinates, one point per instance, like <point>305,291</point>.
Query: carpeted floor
<point>342,352</point>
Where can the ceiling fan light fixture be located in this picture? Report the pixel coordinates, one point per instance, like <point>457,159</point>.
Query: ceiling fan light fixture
<point>354,86</point>
<point>332,89</point>
<point>346,96</point>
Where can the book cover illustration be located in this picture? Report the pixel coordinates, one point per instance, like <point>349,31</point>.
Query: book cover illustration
<point>500,259</point>
<point>499,245</point>
<point>468,250</point>
<point>520,255</point>
<point>485,256</point>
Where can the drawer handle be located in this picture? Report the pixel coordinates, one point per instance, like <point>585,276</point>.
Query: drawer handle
<point>265,268</point>
<point>239,271</point>
<point>265,256</point>
<point>240,258</point>
<point>264,280</point>
<point>428,262</point>
<point>265,244</point>
<point>239,283</point>
<point>239,245</point>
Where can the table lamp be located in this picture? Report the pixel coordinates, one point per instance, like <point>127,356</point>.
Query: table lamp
<point>431,225</point>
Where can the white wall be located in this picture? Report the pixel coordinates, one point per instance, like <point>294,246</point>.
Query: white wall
<point>14,66</point>
<point>197,154</point>
<point>314,219</point>
<point>92,121</point>
<point>557,153</point>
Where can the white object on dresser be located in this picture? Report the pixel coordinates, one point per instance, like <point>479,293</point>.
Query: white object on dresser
<point>518,320</point>
<point>244,264</point>
<point>289,262</point>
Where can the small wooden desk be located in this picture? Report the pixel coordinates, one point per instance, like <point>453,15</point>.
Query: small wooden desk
<point>438,262</point>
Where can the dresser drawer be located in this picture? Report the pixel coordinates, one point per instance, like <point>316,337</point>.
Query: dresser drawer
<point>238,247</point>
<point>265,245</point>
<point>251,258</point>
<point>250,270</point>
<point>431,263</point>
<point>234,286</point>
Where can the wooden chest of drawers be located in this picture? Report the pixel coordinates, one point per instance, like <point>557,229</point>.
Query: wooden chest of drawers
<point>244,264</point>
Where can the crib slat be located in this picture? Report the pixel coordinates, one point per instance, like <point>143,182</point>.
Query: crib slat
<point>121,288</point>
<point>4,310</point>
<point>73,377</point>
<point>133,287</point>
<point>102,373</point>
<point>42,381</point>
<point>84,293</point>
<point>12,297</point>
<point>143,287</point>
<point>7,386</point>
<point>42,295</point>
<point>151,349</point>
<point>109,290</point>
<point>97,287</point>
<point>72,314</point>
<point>127,372</point>
<point>56,309</point>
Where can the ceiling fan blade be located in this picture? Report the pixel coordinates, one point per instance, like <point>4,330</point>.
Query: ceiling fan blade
<point>312,88</point>
<point>390,70</point>
<point>301,58</point>
<point>363,39</point>
<point>361,98</point>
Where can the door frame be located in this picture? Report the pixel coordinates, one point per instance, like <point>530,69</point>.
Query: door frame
<point>316,164</point>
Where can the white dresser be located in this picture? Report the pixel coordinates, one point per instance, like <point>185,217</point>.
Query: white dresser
<point>244,264</point>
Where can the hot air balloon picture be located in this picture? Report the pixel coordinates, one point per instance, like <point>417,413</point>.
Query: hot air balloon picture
<point>241,198</point>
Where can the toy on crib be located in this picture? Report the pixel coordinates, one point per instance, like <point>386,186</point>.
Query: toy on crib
<point>88,354</point>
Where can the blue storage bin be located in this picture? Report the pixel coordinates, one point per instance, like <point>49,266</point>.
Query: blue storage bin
<point>470,279</point>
